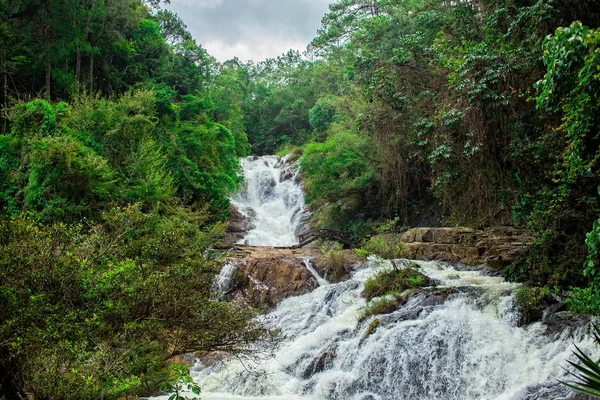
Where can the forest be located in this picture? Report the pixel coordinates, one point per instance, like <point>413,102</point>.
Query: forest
<point>120,139</point>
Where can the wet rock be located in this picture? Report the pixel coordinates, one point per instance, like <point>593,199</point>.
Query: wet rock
<point>494,247</point>
<point>267,281</point>
<point>304,223</point>
<point>321,363</point>
<point>563,322</point>
<point>238,225</point>
<point>550,391</point>
<point>237,222</point>
<point>286,174</point>
<point>211,358</point>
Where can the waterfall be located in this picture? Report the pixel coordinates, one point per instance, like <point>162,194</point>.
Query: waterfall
<point>467,346</point>
<point>459,340</point>
<point>272,200</point>
<point>224,280</point>
<point>307,261</point>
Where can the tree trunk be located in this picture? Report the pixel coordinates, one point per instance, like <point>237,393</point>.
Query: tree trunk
<point>92,72</point>
<point>78,69</point>
<point>48,71</point>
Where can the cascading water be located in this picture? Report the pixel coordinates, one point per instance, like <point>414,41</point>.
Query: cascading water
<point>457,341</point>
<point>272,201</point>
<point>224,280</point>
<point>465,346</point>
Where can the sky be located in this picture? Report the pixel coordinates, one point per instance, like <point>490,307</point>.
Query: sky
<point>251,29</point>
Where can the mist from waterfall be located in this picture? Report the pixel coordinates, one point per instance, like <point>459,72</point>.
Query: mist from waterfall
<point>272,201</point>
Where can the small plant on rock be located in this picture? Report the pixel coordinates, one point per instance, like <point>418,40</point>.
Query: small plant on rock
<point>387,246</point>
<point>395,280</point>
<point>179,381</point>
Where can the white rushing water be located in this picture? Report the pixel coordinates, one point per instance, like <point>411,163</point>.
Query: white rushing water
<point>224,280</point>
<point>467,346</point>
<point>272,200</point>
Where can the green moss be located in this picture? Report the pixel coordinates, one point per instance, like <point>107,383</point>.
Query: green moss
<point>384,305</point>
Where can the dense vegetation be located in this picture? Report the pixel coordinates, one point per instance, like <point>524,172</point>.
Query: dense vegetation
<point>453,113</point>
<point>119,147</point>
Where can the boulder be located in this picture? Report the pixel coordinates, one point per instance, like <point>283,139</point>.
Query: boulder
<point>266,281</point>
<point>237,228</point>
<point>494,247</point>
<point>237,222</point>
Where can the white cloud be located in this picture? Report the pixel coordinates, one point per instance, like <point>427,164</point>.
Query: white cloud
<point>251,51</point>
<point>201,3</point>
<point>251,29</point>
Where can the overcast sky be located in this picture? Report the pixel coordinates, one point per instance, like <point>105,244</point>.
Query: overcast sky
<point>251,29</point>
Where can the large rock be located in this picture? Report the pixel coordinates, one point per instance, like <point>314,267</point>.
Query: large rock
<point>238,226</point>
<point>269,280</point>
<point>491,247</point>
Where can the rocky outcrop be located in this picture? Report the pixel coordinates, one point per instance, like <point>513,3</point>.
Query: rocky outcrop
<point>491,247</point>
<point>269,280</point>
<point>238,226</point>
<point>244,252</point>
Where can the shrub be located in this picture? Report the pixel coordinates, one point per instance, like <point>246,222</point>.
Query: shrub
<point>387,246</point>
<point>94,310</point>
<point>384,305</point>
<point>531,302</point>
<point>584,300</point>
<point>395,280</point>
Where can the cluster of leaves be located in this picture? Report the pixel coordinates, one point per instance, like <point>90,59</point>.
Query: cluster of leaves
<point>394,280</point>
<point>179,381</point>
<point>93,310</point>
<point>64,162</point>
<point>531,302</point>
<point>388,246</point>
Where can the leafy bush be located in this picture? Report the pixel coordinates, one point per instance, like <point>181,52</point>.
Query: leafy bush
<point>338,177</point>
<point>394,281</point>
<point>388,246</point>
<point>93,310</point>
<point>531,302</point>
<point>584,300</point>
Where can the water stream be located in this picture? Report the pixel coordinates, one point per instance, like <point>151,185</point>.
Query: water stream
<point>272,200</point>
<point>466,347</point>
<point>458,341</point>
